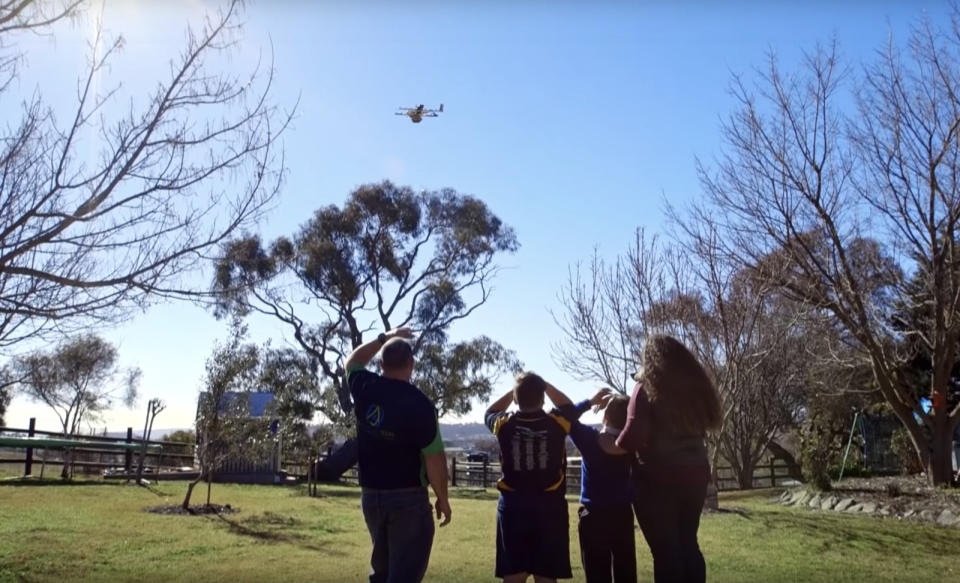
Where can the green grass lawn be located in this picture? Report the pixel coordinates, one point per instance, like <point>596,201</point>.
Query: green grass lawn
<point>98,531</point>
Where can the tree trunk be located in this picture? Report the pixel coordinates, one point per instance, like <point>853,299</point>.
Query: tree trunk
<point>147,430</point>
<point>338,462</point>
<point>745,475</point>
<point>209,478</point>
<point>67,460</point>
<point>190,486</point>
<point>940,460</point>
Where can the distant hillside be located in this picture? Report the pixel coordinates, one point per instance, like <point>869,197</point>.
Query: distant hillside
<point>449,431</point>
<point>463,434</point>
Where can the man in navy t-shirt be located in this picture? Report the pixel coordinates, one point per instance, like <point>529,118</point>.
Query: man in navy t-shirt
<point>400,452</point>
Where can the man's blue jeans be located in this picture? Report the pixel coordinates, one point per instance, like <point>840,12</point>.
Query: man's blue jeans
<point>401,528</point>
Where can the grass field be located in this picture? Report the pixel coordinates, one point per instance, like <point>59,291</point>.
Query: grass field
<point>97,531</point>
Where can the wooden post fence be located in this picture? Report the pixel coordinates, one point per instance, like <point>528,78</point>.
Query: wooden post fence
<point>128,453</point>
<point>28,464</point>
<point>453,473</point>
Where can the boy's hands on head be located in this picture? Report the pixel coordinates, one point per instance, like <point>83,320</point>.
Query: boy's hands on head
<point>600,399</point>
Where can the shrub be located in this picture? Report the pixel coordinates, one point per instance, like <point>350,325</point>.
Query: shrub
<point>902,448</point>
<point>815,455</point>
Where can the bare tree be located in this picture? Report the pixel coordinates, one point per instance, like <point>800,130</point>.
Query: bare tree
<point>78,380</point>
<point>154,407</point>
<point>34,16</point>
<point>609,308</point>
<point>734,325</point>
<point>86,238</point>
<point>830,208</point>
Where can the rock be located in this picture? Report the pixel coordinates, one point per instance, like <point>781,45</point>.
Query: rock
<point>883,511</point>
<point>855,508</point>
<point>828,503</point>
<point>909,513</point>
<point>927,514</point>
<point>947,518</point>
<point>844,504</point>
<point>814,502</point>
<point>868,507</point>
<point>801,497</point>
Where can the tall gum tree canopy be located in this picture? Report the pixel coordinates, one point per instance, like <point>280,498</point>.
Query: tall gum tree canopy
<point>388,257</point>
<point>854,211</point>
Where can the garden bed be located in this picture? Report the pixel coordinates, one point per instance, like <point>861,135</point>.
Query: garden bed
<point>897,497</point>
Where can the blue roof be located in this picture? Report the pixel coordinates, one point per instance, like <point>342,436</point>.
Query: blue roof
<point>258,403</point>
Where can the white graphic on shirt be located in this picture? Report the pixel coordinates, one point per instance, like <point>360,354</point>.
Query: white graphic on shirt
<point>526,444</point>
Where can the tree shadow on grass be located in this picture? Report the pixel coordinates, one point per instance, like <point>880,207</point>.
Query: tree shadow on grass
<point>37,482</point>
<point>332,493</point>
<point>153,490</point>
<point>886,536</point>
<point>275,528</point>
<point>741,512</point>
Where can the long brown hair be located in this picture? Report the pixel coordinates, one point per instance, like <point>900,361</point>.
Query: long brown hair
<point>683,397</point>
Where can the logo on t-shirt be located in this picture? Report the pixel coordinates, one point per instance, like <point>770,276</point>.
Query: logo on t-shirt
<point>374,415</point>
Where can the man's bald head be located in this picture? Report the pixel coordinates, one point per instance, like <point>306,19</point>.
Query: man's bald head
<point>396,355</point>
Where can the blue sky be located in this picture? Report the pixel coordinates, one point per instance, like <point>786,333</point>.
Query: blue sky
<point>574,121</point>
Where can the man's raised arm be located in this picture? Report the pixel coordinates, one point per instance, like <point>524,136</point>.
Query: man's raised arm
<point>363,354</point>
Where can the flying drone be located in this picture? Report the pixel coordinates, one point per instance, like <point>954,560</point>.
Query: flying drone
<point>416,114</point>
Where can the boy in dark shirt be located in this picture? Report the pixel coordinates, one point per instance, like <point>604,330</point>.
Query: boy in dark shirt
<point>606,515</point>
<point>532,518</point>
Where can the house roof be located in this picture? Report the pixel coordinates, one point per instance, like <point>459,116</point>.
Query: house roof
<point>259,401</point>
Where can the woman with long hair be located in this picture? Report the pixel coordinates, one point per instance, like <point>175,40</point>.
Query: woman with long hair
<point>673,406</point>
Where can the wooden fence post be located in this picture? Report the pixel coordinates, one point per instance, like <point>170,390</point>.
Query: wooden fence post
<point>453,472</point>
<point>28,465</point>
<point>773,473</point>
<point>484,483</point>
<point>128,453</point>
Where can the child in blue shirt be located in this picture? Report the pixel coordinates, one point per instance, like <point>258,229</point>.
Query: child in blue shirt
<point>606,515</point>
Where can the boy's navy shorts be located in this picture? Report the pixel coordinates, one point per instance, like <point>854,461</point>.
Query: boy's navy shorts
<point>533,535</point>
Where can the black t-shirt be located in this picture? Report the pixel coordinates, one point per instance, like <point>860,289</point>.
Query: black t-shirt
<point>533,452</point>
<point>396,427</point>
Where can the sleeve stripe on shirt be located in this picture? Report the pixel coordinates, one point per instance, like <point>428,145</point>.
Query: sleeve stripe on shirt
<point>563,423</point>
<point>435,446</point>
<point>352,369</point>
<point>499,423</point>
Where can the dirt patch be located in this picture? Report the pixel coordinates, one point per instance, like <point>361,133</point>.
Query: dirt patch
<point>199,510</point>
